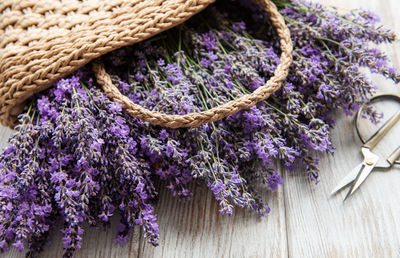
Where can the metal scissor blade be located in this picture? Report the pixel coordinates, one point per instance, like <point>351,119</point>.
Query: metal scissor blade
<point>370,160</point>
<point>349,178</point>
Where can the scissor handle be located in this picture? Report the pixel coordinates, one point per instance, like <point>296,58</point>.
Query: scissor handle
<point>394,156</point>
<point>378,135</point>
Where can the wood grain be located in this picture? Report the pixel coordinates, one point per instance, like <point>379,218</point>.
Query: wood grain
<point>367,224</point>
<point>196,229</point>
<point>304,221</point>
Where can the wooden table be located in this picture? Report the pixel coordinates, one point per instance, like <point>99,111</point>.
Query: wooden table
<point>304,220</point>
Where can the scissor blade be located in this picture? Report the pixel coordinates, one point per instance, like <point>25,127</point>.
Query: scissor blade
<point>370,160</point>
<point>350,177</point>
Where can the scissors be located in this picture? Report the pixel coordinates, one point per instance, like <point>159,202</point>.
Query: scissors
<point>358,175</point>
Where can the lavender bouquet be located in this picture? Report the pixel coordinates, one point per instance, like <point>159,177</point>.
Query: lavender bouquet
<point>77,156</point>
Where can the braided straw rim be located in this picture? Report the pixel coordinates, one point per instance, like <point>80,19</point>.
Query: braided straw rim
<point>42,41</point>
<point>216,113</point>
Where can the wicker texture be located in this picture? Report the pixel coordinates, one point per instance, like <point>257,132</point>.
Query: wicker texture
<point>42,41</point>
<point>217,113</point>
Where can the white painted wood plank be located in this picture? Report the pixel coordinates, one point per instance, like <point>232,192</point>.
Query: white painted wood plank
<point>97,243</point>
<point>196,229</point>
<point>367,224</point>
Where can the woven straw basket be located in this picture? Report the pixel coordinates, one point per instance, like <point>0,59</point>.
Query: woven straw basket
<point>42,41</point>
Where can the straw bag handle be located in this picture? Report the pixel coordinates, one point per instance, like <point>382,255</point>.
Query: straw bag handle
<point>216,113</point>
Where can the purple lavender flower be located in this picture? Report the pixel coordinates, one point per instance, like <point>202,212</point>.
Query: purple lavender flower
<point>77,156</point>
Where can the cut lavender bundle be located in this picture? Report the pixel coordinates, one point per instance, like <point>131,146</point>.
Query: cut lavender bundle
<point>78,156</point>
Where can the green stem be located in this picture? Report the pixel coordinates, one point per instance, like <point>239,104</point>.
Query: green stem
<point>329,51</point>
